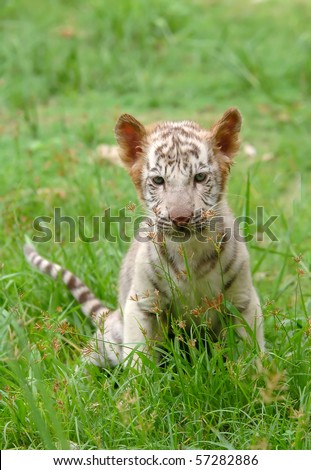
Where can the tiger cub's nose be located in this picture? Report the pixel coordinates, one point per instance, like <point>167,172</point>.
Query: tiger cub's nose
<point>181,217</point>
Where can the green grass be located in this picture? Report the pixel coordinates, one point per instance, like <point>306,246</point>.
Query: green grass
<point>67,70</point>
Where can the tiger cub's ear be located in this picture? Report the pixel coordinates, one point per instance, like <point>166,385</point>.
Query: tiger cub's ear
<point>130,135</point>
<point>225,133</point>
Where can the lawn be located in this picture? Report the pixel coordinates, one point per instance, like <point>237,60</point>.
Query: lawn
<point>67,71</point>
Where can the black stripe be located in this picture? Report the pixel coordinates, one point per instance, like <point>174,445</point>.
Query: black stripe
<point>85,297</point>
<point>244,307</point>
<point>232,259</point>
<point>183,172</point>
<point>207,264</point>
<point>233,278</point>
<point>167,133</point>
<point>73,282</point>
<point>159,149</point>
<point>206,199</point>
<point>154,282</point>
<point>49,269</point>
<point>95,309</point>
<point>170,261</point>
<point>39,263</point>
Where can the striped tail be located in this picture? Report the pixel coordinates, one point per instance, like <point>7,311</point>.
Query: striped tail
<point>90,305</point>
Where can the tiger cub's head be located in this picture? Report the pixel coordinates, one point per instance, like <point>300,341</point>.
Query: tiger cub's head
<point>179,169</point>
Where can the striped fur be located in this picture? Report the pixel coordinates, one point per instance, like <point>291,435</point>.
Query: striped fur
<point>180,171</point>
<point>90,305</point>
<point>104,350</point>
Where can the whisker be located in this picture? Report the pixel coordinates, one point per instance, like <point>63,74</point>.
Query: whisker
<point>232,194</point>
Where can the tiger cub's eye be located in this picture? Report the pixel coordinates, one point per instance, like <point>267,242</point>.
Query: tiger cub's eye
<point>200,177</point>
<point>158,180</point>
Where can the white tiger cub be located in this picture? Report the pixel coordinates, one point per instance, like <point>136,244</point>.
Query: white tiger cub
<point>191,255</point>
